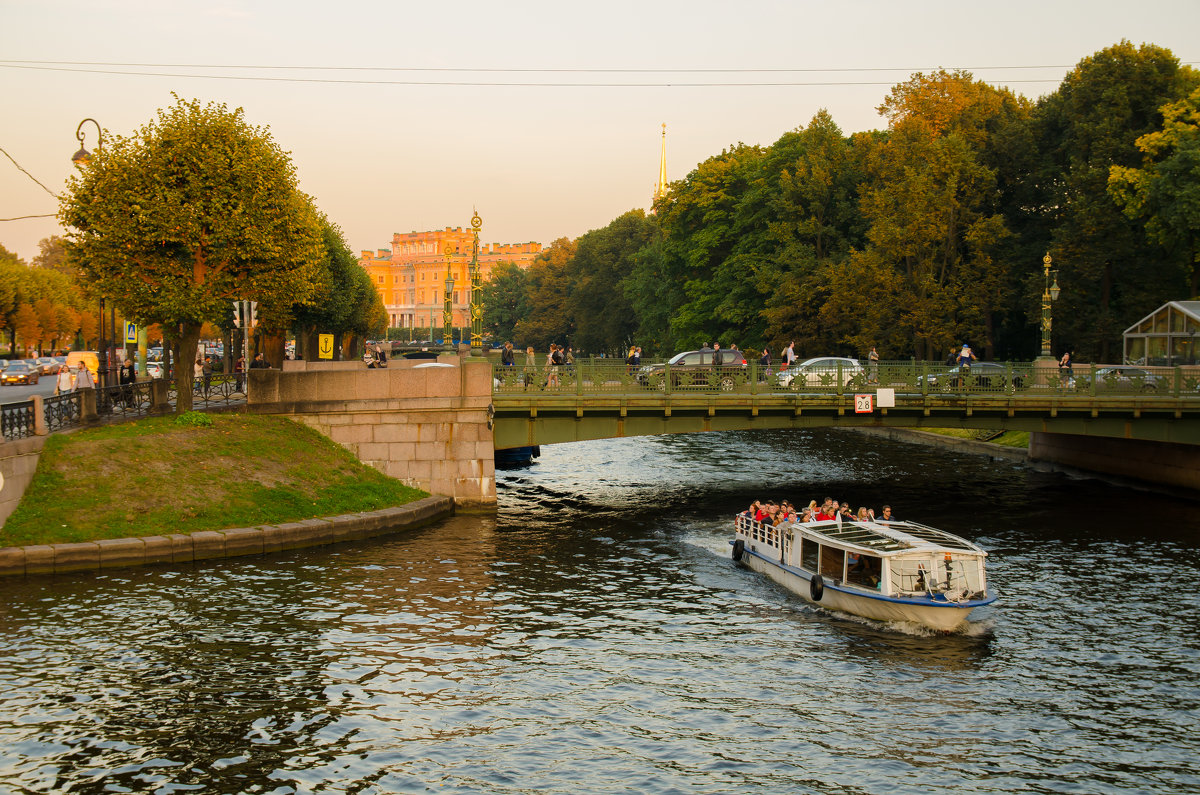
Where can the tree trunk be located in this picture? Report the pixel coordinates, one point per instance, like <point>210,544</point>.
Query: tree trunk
<point>189,337</point>
<point>271,346</point>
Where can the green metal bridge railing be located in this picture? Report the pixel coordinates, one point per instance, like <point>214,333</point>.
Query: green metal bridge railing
<point>908,378</point>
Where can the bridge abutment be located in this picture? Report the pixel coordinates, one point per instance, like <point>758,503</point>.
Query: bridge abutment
<point>428,427</point>
<point>1161,463</point>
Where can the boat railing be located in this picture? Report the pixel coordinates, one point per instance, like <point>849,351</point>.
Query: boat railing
<point>760,531</point>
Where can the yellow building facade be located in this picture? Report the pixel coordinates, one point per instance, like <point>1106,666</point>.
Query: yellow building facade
<point>411,276</point>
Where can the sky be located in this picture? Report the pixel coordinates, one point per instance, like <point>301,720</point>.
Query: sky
<point>545,117</point>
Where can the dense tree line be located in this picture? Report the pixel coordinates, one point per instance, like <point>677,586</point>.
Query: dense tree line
<point>914,238</point>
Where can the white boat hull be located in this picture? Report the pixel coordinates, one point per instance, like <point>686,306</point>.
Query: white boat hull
<point>943,617</point>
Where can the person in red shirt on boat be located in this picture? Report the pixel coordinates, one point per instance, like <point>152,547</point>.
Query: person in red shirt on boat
<point>828,511</point>
<point>762,513</point>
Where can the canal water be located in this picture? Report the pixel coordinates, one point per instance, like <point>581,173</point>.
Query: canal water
<point>594,637</point>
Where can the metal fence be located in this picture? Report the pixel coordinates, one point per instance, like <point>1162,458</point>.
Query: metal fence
<point>62,411</point>
<point>214,391</point>
<point>17,420</point>
<point>125,400</point>
<point>600,376</point>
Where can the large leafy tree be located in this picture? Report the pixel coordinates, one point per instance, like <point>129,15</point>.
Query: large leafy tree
<point>196,209</point>
<point>1165,191</point>
<point>505,300</point>
<point>1110,274</point>
<point>603,314</point>
<point>548,319</point>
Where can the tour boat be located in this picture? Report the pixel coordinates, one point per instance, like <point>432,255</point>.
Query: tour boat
<point>887,571</point>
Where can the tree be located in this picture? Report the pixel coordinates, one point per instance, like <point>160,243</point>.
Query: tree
<point>603,314</point>
<point>52,255</point>
<point>1110,274</point>
<point>505,300</point>
<point>26,325</point>
<point>547,319</point>
<point>195,210</point>
<point>1165,191</point>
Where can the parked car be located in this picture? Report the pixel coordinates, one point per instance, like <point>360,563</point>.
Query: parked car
<point>697,368</point>
<point>20,372</point>
<point>1121,379</point>
<point>979,375</point>
<point>821,371</point>
<point>154,369</point>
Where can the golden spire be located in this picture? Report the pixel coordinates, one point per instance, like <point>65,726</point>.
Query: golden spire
<point>660,189</point>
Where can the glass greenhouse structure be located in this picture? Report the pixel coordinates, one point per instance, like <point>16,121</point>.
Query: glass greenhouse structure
<point>1167,336</point>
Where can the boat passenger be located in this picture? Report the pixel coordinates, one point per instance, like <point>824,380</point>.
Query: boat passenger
<point>752,510</point>
<point>864,515</point>
<point>806,515</point>
<point>885,515</point>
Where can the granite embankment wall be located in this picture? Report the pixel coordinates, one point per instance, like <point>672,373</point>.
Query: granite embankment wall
<point>18,462</point>
<point>180,548</point>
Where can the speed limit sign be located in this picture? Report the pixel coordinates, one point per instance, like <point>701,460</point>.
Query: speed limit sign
<point>864,404</point>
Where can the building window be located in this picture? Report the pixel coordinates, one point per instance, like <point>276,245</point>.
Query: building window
<point>381,280</point>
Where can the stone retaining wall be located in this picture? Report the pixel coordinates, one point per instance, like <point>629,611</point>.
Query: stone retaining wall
<point>209,544</point>
<point>18,462</point>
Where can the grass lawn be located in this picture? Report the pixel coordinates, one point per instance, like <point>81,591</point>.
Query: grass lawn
<point>157,476</point>
<point>1007,439</point>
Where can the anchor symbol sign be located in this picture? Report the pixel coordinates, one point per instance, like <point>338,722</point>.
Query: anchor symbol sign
<point>325,346</point>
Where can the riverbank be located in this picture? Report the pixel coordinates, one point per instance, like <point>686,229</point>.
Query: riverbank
<point>934,439</point>
<point>161,476</point>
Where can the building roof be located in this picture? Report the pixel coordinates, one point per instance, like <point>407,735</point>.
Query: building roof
<point>1189,308</point>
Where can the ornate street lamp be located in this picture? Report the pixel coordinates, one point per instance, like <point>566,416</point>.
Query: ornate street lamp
<point>476,289</point>
<point>1049,296</point>
<point>80,159</point>
<point>448,303</point>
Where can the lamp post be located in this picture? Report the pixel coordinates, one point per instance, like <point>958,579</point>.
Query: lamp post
<point>476,289</point>
<point>448,303</point>
<point>1049,296</point>
<point>80,159</point>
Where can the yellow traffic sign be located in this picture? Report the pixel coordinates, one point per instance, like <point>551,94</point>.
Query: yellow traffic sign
<point>325,347</point>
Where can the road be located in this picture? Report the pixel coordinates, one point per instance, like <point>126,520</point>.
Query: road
<point>18,392</point>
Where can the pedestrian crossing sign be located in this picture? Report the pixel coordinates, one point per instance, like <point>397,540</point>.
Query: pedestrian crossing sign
<point>130,333</point>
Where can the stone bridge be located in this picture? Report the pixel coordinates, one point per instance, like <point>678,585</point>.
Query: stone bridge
<point>436,425</point>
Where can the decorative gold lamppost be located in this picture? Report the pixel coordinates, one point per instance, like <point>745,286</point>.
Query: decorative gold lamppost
<point>1049,296</point>
<point>476,289</point>
<point>448,304</point>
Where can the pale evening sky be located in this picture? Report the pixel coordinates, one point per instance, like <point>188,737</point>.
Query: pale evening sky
<point>384,148</point>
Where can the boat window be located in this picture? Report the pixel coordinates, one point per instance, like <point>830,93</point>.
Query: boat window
<point>832,562</point>
<point>864,570</point>
<point>809,551</point>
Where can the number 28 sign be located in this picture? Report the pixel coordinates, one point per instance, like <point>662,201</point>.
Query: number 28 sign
<point>864,404</point>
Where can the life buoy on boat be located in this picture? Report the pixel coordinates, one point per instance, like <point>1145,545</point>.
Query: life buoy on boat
<point>816,587</point>
<point>739,546</point>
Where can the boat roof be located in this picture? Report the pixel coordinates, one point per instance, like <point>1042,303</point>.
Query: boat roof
<point>893,537</point>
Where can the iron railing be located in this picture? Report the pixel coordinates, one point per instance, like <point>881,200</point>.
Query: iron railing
<point>601,376</point>
<point>17,420</point>
<point>125,400</point>
<point>214,391</point>
<point>62,411</point>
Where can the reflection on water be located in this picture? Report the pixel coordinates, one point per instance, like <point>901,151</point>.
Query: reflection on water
<point>594,636</point>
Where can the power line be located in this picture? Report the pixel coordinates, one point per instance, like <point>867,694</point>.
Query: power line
<point>486,83</point>
<point>548,70</point>
<point>26,173</point>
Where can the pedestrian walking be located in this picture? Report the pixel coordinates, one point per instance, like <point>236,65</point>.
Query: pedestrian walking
<point>873,365</point>
<point>65,382</point>
<point>83,378</point>
<point>206,371</point>
<point>239,370</point>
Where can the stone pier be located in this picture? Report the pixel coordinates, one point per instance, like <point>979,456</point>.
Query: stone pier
<point>427,426</point>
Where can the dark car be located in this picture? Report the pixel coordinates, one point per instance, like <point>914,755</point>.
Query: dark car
<point>1121,379</point>
<point>979,375</point>
<point>21,372</point>
<point>697,369</point>
<point>46,365</point>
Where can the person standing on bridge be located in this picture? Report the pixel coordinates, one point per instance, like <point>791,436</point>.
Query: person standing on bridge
<point>507,356</point>
<point>789,355</point>
<point>873,366</point>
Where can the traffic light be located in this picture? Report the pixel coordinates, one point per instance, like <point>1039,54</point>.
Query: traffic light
<point>237,314</point>
<point>253,313</point>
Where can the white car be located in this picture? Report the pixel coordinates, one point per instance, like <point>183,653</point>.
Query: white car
<point>820,372</point>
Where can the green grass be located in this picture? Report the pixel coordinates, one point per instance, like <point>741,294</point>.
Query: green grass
<point>155,476</point>
<point>1007,439</point>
